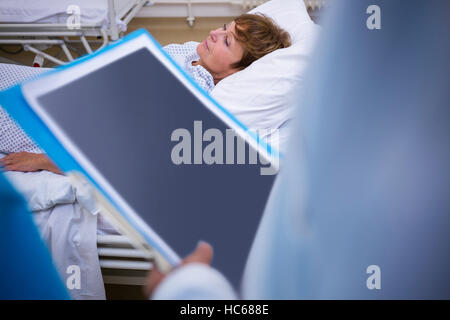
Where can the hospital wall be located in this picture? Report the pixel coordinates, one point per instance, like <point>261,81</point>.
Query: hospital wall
<point>176,30</point>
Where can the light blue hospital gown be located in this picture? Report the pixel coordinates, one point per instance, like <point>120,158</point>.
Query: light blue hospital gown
<point>14,139</point>
<point>184,54</point>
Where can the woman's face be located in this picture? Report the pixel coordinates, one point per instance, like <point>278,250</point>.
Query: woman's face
<point>219,51</point>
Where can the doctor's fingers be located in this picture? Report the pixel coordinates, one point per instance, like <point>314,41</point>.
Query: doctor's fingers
<point>153,281</point>
<point>202,254</point>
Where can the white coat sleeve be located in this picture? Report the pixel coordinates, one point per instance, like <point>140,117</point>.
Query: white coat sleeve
<point>195,281</point>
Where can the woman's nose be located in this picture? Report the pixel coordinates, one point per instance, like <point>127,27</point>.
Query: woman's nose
<point>214,34</point>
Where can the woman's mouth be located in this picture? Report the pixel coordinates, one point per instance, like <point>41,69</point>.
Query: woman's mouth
<point>205,43</point>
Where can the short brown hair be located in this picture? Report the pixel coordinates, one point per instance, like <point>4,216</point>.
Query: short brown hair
<point>259,35</point>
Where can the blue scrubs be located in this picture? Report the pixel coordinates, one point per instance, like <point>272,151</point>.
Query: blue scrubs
<point>26,268</point>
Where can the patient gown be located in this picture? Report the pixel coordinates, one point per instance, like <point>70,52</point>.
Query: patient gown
<point>12,137</point>
<point>184,55</point>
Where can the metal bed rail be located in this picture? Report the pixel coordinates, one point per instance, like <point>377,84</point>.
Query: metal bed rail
<point>32,35</point>
<point>121,263</point>
<point>210,8</point>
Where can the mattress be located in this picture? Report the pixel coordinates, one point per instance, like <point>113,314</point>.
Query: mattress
<point>93,12</point>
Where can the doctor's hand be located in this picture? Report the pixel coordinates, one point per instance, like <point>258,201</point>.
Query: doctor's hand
<point>202,254</point>
<point>28,162</point>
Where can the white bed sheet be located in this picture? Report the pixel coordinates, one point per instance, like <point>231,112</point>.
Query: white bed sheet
<point>70,233</point>
<point>51,11</point>
<point>54,11</point>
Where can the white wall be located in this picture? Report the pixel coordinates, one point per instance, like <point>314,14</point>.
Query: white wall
<point>207,8</point>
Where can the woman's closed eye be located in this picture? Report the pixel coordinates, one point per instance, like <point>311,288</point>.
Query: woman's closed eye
<point>226,37</point>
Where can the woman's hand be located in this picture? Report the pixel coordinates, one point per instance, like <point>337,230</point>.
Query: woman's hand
<point>28,162</point>
<point>202,254</point>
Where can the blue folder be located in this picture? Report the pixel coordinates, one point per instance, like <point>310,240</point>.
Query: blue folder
<point>111,118</point>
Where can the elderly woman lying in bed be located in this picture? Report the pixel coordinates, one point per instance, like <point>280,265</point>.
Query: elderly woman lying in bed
<point>229,49</point>
<point>224,52</point>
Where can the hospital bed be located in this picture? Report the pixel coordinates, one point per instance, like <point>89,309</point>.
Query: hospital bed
<point>119,261</point>
<point>37,25</point>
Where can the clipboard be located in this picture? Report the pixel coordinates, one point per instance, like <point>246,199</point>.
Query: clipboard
<point>168,164</point>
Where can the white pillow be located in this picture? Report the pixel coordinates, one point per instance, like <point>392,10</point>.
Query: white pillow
<point>261,96</point>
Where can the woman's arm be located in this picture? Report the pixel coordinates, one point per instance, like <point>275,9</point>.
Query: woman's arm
<point>28,162</point>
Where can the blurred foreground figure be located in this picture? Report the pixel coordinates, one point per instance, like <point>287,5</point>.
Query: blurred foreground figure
<point>366,183</point>
<point>26,269</point>
<point>361,207</point>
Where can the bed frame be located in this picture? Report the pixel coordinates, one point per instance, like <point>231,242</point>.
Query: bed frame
<point>50,34</point>
<point>121,263</point>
